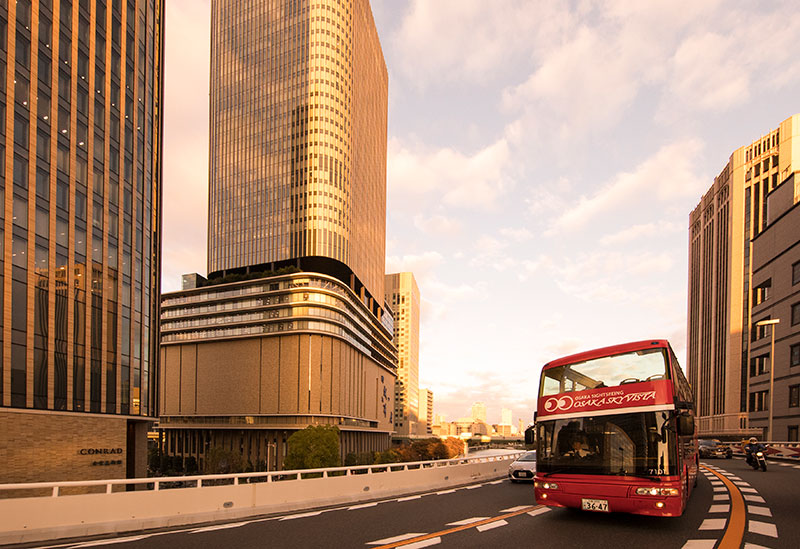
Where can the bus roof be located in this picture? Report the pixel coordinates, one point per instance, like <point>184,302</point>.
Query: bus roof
<point>607,351</point>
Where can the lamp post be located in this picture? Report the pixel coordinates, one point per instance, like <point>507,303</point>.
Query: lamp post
<point>771,322</point>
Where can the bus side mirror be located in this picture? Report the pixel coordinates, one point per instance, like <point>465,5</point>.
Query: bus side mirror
<point>529,435</point>
<point>685,425</point>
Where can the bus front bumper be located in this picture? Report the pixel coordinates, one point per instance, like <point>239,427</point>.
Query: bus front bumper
<point>611,497</point>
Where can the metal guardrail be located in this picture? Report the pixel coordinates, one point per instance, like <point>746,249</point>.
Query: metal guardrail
<point>780,450</point>
<point>234,479</point>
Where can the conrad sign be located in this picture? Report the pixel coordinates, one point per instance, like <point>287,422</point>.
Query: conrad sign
<point>99,451</point>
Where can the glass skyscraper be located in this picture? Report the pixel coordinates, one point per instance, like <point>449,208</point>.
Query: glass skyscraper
<point>80,97</point>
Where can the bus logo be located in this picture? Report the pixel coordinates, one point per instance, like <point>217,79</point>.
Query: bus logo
<point>560,403</point>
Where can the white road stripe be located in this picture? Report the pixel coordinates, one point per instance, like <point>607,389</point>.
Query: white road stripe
<point>496,481</point>
<point>758,510</point>
<point>445,492</point>
<point>218,527</point>
<point>741,483</point>
<point>753,497</point>
<point>466,521</point>
<point>540,511</point>
<point>748,490</point>
<point>423,543</point>
<point>491,525</point>
<point>734,478</point>
<point>720,508</point>
<point>362,506</point>
<point>763,528</point>
<point>110,541</point>
<point>514,509</point>
<point>722,497</point>
<point>717,483</point>
<point>401,537</point>
<point>720,489</point>
<point>474,486</point>
<point>409,498</point>
<point>301,515</point>
<point>712,524</point>
<point>796,466</point>
<point>700,544</point>
<point>783,464</point>
<point>754,546</point>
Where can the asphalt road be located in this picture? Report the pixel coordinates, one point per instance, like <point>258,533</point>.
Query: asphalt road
<point>502,514</point>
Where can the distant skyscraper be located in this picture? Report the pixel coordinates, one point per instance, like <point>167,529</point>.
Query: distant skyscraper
<point>81,232</point>
<point>425,412</point>
<point>402,294</point>
<point>298,333</point>
<point>723,232</point>
<point>506,417</point>
<point>479,411</point>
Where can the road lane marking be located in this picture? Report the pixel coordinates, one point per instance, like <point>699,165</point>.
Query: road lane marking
<point>720,508</point>
<point>496,481</point>
<point>720,489</point>
<point>741,483</point>
<point>474,486</point>
<point>722,497</point>
<point>758,510</point>
<point>763,528</point>
<point>466,521</point>
<point>700,544</point>
<point>218,527</point>
<point>300,515</point>
<point>491,525</point>
<point>445,492</point>
<point>713,524</point>
<point>424,543</point>
<point>782,464</point>
<point>401,537</point>
<point>748,490</point>
<point>734,532</point>
<point>409,498</point>
<point>753,497</point>
<point>512,509</point>
<point>362,506</point>
<point>754,546</point>
<point>411,543</point>
<point>110,541</point>
<point>539,511</point>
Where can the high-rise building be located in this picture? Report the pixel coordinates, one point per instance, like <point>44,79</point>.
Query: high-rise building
<point>402,294</point>
<point>425,412</point>
<point>506,417</point>
<point>81,232</point>
<point>479,411</point>
<point>290,329</point>
<point>723,231</point>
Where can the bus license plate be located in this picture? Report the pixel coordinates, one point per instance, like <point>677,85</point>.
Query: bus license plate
<point>594,505</point>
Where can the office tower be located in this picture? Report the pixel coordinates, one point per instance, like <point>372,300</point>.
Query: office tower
<point>479,411</point>
<point>290,329</point>
<point>81,188</point>
<point>506,416</point>
<point>724,231</point>
<point>402,294</point>
<point>425,412</point>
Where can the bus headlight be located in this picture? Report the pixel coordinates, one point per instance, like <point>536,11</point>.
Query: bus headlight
<point>550,486</point>
<point>654,491</point>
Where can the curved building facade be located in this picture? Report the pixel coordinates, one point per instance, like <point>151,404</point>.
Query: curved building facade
<point>245,364</point>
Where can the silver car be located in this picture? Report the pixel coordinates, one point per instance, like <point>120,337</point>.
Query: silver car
<point>524,468</point>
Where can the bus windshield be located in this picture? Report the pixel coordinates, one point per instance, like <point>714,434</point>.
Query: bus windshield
<point>607,371</point>
<point>621,444</point>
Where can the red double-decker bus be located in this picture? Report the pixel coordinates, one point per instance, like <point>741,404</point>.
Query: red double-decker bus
<point>615,431</point>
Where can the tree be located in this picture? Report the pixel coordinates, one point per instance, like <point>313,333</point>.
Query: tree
<point>314,447</point>
<point>219,461</point>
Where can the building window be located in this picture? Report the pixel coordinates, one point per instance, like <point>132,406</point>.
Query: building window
<point>760,332</point>
<point>761,292</point>
<point>792,435</point>
<point>759,365</point>
<point>794,396</point>
<point>795,314</point>
<point>796,273</point>
<point>794,353</point>
<point>759,401</point>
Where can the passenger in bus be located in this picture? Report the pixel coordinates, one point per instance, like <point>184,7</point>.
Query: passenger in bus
<point>580,446</point>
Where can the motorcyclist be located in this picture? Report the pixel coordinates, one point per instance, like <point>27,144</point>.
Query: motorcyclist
<point>750,450</point>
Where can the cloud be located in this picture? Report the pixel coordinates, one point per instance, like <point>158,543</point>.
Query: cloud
<point>520,235</point>
<point>668,175</point>
<point>637,232</point>
<point>437,224</point>
<point>458,180</point>
<point>422,265</point>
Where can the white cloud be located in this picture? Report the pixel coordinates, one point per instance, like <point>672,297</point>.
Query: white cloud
<point>520,235</point>
<point>437,224</point>
<point>668,175</point>
<point>422,265</point>
<point>458,180</point>
<point>645,230</point>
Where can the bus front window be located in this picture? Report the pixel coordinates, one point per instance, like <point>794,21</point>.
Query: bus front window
<point>609,371</point>
<point>638,443</point>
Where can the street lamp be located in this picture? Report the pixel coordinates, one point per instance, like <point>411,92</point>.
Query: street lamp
<point>771,322</point>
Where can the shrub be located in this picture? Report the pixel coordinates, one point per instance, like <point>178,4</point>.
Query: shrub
<point>314,447</point>
<point>219,461</point>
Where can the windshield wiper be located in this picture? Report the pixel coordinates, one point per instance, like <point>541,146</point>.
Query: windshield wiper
<point>560,470</point>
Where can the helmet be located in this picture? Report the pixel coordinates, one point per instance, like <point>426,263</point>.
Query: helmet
<point>753,440</point>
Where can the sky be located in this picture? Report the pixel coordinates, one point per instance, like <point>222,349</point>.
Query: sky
<point>543,159</point>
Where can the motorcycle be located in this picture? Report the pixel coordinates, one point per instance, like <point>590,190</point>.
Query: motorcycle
<point>757,461</point>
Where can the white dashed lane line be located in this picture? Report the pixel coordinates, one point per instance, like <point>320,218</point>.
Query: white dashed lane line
<point>700,544</point>
<point>763,528</point>
<point>218,527</point>
<point>758,510</point>
<point>720,508</point>
<point>466,521</point>
<point>491,525</point>
<point>110,541</point>
<point>713,524</point>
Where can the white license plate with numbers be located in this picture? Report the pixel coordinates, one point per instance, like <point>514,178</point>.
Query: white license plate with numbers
<point>594,505</point>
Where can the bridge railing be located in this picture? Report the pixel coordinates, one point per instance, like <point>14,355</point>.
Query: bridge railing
<point>110,506</point>
<point>780,450</point>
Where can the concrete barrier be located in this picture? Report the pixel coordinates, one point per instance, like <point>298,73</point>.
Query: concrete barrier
<point>30,519</point>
